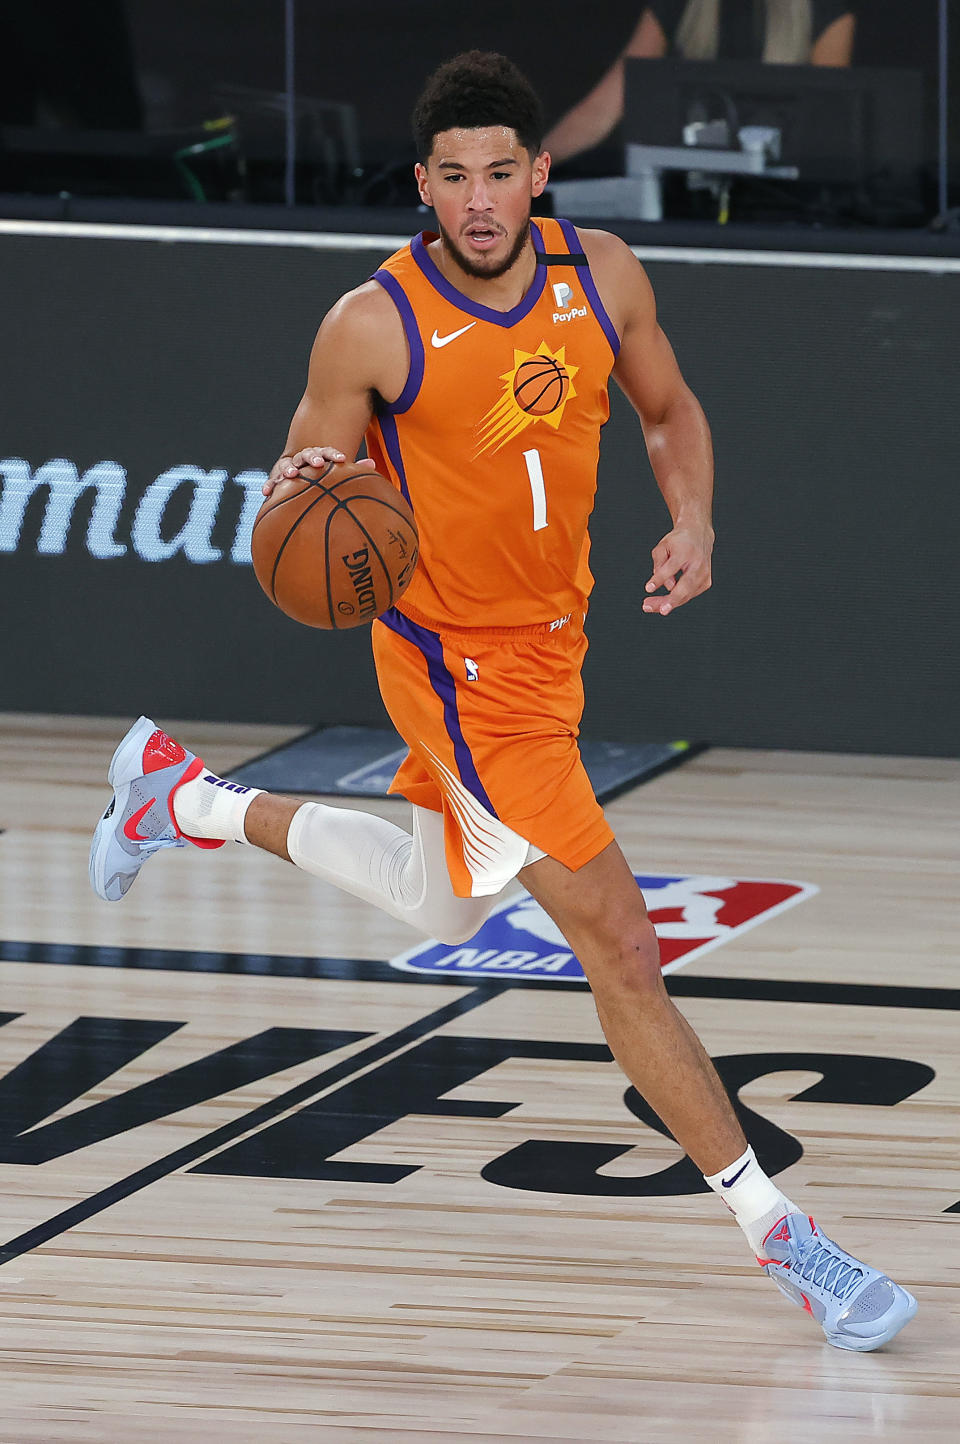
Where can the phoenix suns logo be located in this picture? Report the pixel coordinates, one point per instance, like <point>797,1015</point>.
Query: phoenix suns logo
<point>536,388</point>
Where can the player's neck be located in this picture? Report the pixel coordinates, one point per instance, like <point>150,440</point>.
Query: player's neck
<point>499,293</point>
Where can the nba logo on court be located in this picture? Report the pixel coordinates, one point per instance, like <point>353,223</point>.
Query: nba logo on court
<point>692,915</point>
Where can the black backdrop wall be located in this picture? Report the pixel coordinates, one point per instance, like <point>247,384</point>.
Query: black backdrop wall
<point>375,54</point>
<point>151,380</point>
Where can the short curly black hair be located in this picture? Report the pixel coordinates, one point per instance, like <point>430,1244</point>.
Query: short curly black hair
<point>477,88</point>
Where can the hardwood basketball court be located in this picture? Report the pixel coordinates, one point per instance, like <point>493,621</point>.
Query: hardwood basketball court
<point>256,1184</point>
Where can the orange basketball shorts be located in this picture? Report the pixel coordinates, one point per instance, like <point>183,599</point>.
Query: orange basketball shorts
<point>491,720</point>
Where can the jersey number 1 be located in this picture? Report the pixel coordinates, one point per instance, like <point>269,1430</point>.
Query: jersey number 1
<point>535,474</point>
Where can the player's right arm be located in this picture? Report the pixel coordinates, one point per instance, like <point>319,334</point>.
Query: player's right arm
<point>360,354</point>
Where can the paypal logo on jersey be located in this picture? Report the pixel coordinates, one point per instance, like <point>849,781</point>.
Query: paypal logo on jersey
<point>563,295</point>
<point>691,915</point>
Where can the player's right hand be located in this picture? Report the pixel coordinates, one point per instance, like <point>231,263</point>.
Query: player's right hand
<point>288,467</point>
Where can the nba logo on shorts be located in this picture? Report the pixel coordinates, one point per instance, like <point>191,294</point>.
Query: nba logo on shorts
<point>473,671</point>
<point>692,915</point>
<point>562,294</point>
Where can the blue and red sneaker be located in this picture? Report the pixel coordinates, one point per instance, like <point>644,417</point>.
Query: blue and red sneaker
<point>857,1307</point>
<point>146,770</point>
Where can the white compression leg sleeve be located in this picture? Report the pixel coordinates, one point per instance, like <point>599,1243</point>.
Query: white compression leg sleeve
<point>405,876</point>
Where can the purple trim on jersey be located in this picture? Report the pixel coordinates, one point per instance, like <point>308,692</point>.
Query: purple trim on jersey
<point>431,647</point>
<point>590,286</point>
<point>391,440</point>
<point>414,379</point>
<point>473,308</point>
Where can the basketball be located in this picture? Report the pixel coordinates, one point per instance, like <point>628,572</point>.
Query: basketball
<point>336,550</point>
<point>540,385</point>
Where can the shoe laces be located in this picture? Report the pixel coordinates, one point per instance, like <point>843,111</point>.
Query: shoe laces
<point>827,1269</point>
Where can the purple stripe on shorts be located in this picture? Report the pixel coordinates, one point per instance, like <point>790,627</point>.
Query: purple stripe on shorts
<point>589,286</point>
<point>442,682</point>
<point>414,380</point>
<point>391,440</point>
<point>473,308</point>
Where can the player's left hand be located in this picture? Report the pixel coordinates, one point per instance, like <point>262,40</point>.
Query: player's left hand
<point>681,566</point>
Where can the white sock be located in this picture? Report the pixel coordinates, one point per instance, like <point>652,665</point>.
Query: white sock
<point>754,1199</point>
<point>212,806</point>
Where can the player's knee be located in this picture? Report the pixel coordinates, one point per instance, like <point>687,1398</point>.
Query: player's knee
<point>625,957</point>
<point>456,922</point>
<point>640,970</point>
<point>453,933</point>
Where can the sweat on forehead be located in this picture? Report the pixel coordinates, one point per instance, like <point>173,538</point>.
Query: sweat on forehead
<point>487,145</point>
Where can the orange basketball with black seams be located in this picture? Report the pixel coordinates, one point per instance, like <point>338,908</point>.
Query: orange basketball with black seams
<point>334,549</point>
<point>540,385</point>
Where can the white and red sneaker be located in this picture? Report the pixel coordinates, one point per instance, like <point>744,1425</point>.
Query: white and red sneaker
<point>856,1306</point>
<point>146,770</point>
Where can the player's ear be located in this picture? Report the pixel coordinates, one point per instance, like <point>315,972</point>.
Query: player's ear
<point>541,173</point>
<point>420,171</point>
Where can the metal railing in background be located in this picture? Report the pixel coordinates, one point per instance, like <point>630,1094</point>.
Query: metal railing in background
<point>945,219</point>
<point>290,80</point>
<point>329,127</point>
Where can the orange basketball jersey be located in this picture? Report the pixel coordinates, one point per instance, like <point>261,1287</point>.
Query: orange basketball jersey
<point>495,438</point>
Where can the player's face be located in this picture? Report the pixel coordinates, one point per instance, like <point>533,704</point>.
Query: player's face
<point>480,184</point>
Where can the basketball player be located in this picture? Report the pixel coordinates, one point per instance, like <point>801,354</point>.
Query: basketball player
<point>479,665</point>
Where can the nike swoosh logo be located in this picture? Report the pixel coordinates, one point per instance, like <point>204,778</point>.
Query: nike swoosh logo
<point>729,1182</point>
<point>437,340</point>
<point>131,824</point>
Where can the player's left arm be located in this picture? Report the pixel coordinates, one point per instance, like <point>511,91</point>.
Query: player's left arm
<point>674,426</point>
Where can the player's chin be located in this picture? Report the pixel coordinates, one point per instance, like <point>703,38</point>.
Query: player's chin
<point>486,256</point>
